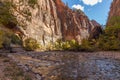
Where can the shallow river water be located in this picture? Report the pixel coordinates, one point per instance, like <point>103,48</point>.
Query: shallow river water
<point>70,65</point>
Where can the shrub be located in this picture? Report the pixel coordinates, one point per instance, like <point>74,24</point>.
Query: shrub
<point>50,46</point>
<point>5,40</point>
<point>6,16</point>
<point>74,45</point>
<point>31,44</point>
<point>66,45</point>
<point>15,39</point>
<point>58,44</point>
<point>6,43</point>
<point>106,42</point>
<point>87,45</point>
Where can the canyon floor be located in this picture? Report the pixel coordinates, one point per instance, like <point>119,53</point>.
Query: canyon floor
<point>59,65</point>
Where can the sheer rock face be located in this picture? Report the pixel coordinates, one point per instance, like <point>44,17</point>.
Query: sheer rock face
<point>114,10</point>
<point>50,20</point>
<point>96,31</point>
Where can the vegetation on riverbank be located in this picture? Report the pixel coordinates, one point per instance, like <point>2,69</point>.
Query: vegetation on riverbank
<point>108,40</point>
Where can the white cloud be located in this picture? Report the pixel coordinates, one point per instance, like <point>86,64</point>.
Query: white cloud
<point>91,2</point>
<point>78,7</point>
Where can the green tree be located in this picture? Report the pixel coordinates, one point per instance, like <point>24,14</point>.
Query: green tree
<point>110,40</point>
<point>6,16</point>
<point>31,44</point>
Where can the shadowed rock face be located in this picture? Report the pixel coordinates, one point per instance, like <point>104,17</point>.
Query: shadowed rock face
<point>96,31</point>
<point>50,20</point>
<point>114,10</point>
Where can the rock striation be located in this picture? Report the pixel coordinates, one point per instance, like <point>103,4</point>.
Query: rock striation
<point>114,10</point>
<point>50,20</point>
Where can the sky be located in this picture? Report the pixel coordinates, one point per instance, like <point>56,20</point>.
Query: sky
<point>95,9</point>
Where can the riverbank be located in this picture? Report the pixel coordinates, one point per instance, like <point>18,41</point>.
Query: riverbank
<point>65,65</point>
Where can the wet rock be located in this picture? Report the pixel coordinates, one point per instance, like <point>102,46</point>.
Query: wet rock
<point>94,67</point>
<point>38,77</point>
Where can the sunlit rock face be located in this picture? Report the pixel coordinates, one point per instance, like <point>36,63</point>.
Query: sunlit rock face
<point>114,10</point>
<point>49,20</point>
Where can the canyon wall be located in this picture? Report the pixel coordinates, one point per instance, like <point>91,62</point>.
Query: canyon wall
<point>50,20</point>
<point>114,12</point>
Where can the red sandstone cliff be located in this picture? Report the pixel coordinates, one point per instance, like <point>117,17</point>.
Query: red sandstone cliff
<point>114,10</point>
<point>50,20</point>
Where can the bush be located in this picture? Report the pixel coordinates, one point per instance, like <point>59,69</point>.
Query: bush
<point>106,42</point>
<point>58,44</point>
<point>87,45</point>
<point>66,45</point>
<point>6,43</point>
<point>6,16</point>
<point>5,40</point>
<point>15,39</point>
<point>31,44</point>
<point>74,45</point>
<point>9,37</point>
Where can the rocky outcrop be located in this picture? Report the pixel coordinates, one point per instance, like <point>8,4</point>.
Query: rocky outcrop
<point>49,20</point>
<point>96,31</point>
<point>115,8</point>
<point>114,11</point>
